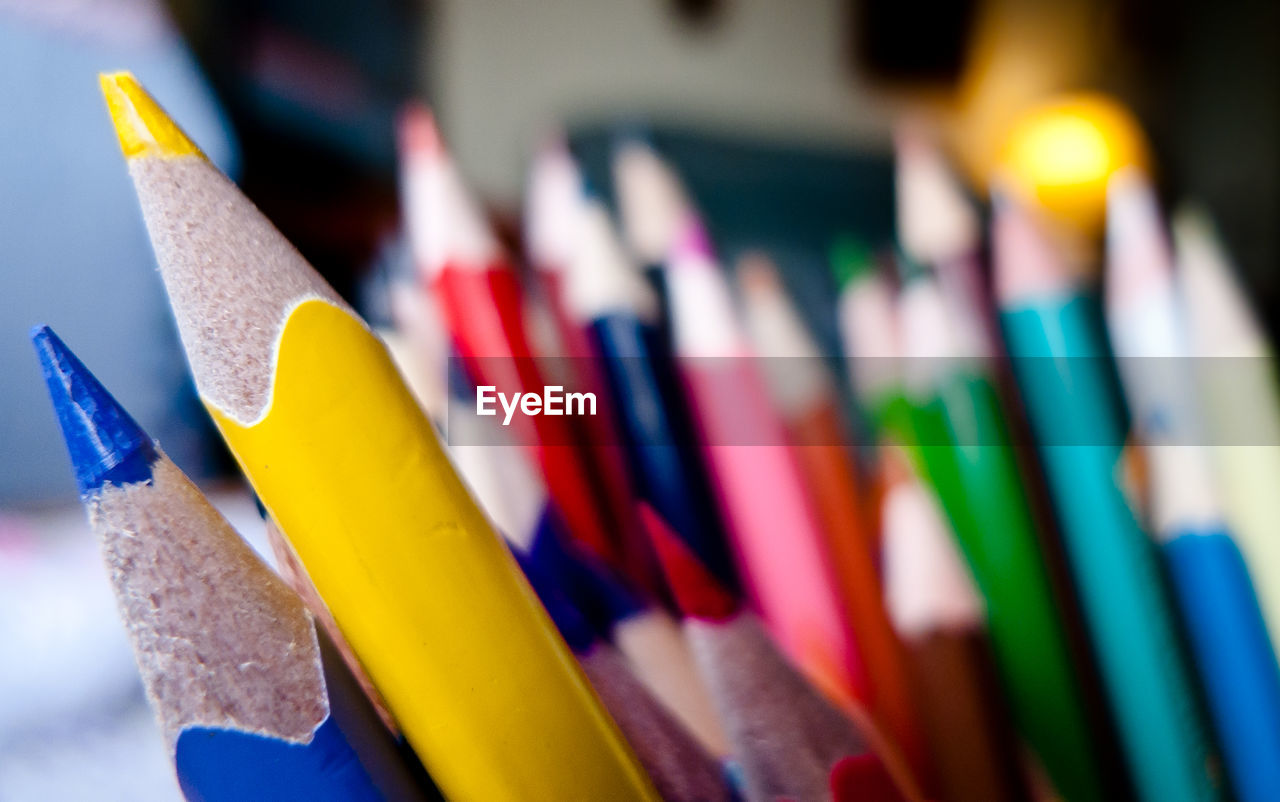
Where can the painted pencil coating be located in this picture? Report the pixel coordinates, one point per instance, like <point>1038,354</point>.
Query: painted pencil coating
<point>1240,399</point>
<point>804,393</point>
<point>761,495</point>
<point>452,636</point>
<point>1227,633</point>
<point>936,609</point>
<point>436,544</point>
<point>964,452</point>
<point>1121,591</point>
<point>663,467</point>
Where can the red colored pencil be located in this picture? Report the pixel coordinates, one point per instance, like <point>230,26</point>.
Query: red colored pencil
<point>459,258</point>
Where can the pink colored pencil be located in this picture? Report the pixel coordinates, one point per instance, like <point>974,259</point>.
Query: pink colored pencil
<point>776,535</point>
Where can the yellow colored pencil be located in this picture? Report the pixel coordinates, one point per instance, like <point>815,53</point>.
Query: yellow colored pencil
<point>320,421</point>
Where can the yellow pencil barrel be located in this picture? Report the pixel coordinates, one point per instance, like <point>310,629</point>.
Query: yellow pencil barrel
<point>420,585</point>
<point>422,588</point>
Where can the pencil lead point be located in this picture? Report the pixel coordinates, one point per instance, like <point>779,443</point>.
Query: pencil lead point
<point>419,134</point>
<point>697,590</point>
<point>106,444</point>
<point>144,128</point>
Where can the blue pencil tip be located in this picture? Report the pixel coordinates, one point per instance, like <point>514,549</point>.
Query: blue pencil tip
<point>106,445</point>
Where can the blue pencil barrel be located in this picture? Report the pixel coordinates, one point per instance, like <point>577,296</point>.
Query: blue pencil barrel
<point>1229,639</point>
<point>217,765</point>
<point>661,454</point>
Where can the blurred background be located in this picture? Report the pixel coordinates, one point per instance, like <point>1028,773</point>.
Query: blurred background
<point>780,117</point>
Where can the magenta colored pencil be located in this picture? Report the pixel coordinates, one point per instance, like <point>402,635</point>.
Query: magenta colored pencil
<point>776,535</point>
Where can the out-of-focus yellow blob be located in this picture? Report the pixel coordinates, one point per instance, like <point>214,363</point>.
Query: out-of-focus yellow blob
<point>1063,152</point>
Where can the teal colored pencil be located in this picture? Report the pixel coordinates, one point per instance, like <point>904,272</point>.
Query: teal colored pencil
<point>964,450</point>
<point>1054,334</point>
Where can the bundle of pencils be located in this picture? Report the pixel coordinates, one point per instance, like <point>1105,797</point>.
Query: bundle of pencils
<point>700,587</point>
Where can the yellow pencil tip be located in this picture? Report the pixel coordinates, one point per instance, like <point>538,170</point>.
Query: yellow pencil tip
<point>144,128</point>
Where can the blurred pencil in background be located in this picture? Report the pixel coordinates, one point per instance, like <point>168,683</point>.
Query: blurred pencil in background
<point>936,610</point>
<point>481,300</point>
<point>1235,377</point>
<point>1220,613</point>
<point>788,741</point>
<point>962,445</point>
<point>755,475</point>
<point>1054,332</point>
<point>804,394</point>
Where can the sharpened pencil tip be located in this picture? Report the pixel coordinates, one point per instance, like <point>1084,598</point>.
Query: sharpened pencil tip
<point>419,134</point>
<point>144,128</point>
<point>106,445</point>
<point>693,239</point>
<point>698,592</point>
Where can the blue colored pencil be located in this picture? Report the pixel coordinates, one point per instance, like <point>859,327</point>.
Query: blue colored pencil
<point>1062,369</point>
<point>228,654</point>
<point>1219,606</point>
<point>617,309</point>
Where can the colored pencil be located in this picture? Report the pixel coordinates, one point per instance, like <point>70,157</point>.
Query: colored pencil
<point>478,291</point>
<point>965,451</point>
<point>756,478</point>
<point>344,460</point>
<point>419,342</point>
<point>938,225</point>
<point>788,740</point>
<point>648,637</point>
<point>1028,621</point>
<point>652,201</point>
<point>803,391</point>
<point>350,689</point>
<point>551,230</point>
<point>511,492</point>
<point>867,320</point>
<point>290,569</point>
<point>679,766</point>
<point>936,609</point>
<point>612,304</point>
<point>1240,399</point>
<point>1228,637</point>
<point>1055,337</point>
<point>228,654</point>
<point>552,204</point>
<point>652,206</point>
